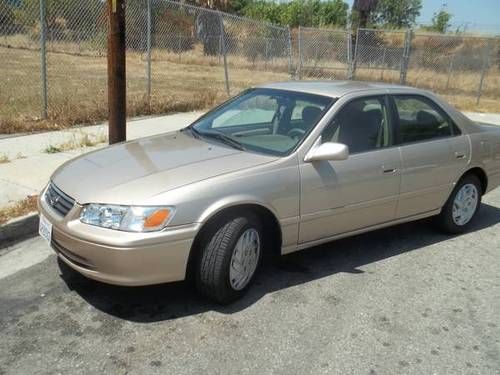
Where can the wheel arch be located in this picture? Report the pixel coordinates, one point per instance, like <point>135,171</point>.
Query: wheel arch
<point>480,174</point>
<point>271,227</point>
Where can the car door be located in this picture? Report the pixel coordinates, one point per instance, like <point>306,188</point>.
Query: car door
<point>342,196</point>
<point>433,152</point>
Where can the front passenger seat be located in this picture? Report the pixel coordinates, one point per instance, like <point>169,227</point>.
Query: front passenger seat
<point>359,131</point>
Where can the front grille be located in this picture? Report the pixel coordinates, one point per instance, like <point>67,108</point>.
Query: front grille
<point>58,201</point>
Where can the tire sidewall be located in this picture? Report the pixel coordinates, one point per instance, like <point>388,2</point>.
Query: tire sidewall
<point>225,293</point>
<point>251,223</point>
<point>447,212</point>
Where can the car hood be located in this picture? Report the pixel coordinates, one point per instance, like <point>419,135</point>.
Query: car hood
<point>134,172</point>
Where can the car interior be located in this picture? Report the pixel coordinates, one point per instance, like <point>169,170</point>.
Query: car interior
<point>418,121</point>
<point>276,122</point>
<point>361,125</point>
<point>271,123</point>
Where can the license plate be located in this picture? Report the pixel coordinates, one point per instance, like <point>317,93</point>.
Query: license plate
<point>45,229</point>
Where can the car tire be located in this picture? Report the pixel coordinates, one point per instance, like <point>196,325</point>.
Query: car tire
<point>452,220</point>
<point>231,245</point>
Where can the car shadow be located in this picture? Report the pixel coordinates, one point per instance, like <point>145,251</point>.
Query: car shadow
<point>171,301</point>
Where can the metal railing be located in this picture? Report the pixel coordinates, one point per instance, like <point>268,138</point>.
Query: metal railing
<point>180,57</point>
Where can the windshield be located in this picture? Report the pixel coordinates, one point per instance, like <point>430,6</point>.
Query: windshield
<point>264,120</point>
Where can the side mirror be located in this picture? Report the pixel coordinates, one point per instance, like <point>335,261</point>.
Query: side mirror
<point>327,151</point>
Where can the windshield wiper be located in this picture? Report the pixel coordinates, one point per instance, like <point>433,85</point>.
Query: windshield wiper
<point>223,138</point>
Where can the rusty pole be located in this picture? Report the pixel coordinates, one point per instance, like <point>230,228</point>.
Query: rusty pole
<point>117,109</point>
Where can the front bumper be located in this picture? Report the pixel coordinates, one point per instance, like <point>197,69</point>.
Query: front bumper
<point>116,257</point>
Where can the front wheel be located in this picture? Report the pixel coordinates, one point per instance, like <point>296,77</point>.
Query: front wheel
<point>462,206</point>
<point>231,254</point>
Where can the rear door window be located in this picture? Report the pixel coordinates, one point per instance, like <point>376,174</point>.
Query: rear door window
<point>420,119</point>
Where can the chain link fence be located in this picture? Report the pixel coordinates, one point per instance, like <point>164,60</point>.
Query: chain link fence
<point>53,69</point>
<point>462,68</point>
<point>380,55</point>
<point>323,53</point>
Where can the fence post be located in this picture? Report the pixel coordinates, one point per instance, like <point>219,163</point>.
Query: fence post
<point>148,69</point>
<point>486,66</point>
<point>355,57</point>
<point>43,57</point>
<point>179,46</point>
<point>349,54</point>
<point>383,65</point>
<point>265,53</point>
<point>406,57</point>
<point>299,67</point>
<point>450,70</point>
<point>223,45</point>
<point>290,68</point>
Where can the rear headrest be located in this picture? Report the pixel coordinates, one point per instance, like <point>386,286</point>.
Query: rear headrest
<point>310,114</point>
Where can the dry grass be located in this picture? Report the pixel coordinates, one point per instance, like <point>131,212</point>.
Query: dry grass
<point>20,208</point>
<point>78,141</point>
<point>180,82</point>
<point>77,88</point>
<point>4,158</point>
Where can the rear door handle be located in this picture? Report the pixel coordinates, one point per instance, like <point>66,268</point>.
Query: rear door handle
<point>389,170</point>
<point>459,155</point>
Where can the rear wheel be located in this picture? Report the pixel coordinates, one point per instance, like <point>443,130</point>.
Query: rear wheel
<point>231,254</point>
<point>462,206</point>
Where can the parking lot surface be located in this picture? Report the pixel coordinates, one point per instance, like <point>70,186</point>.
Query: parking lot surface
<point>402,300</point>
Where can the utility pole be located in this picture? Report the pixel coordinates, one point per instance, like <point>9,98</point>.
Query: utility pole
<point>117,109</point>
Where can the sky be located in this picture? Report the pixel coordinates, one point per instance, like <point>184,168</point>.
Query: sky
<point>476,15</point>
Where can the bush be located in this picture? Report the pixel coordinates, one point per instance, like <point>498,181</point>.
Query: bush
<point>8,23</point>
<point>179,36</point>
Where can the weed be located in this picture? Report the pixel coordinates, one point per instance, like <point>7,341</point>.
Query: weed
<point>4,158</point>
<point>50,149</point>
<point>23,207</point>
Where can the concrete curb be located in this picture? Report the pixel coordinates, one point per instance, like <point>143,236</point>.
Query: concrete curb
<point>18,229</point>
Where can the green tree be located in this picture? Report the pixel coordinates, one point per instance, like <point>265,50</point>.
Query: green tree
<point>397,13</point>
<point>440,22</point>
<point>362,10</point>
<point>299,12</point>
<point>332,13</point>
<point>238,6</point>
<point>263,10</point>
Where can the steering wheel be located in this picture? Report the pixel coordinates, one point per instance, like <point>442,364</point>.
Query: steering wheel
<point>296,133</point>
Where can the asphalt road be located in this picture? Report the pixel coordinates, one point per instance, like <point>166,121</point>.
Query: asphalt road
<point>403,300</point>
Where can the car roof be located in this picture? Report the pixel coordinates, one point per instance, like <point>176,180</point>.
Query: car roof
<point>334,89</point>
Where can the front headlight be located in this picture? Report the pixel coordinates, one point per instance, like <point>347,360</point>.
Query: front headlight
<point>127,218</point>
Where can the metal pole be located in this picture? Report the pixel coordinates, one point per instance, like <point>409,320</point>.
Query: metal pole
<point>383,65</point>
<point>43,58</point>
<point>223,44</point>
<point>406,57</point>
<point>486,64</point>
<point>148,71</point>
<point>179,46</point>
<point>349,53</point>
<point>265,54</point>
<point>450,70</point>
<point>116,71</point>
<point>355,58</point>
<point>290,71</point>
<point>299,68</point>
